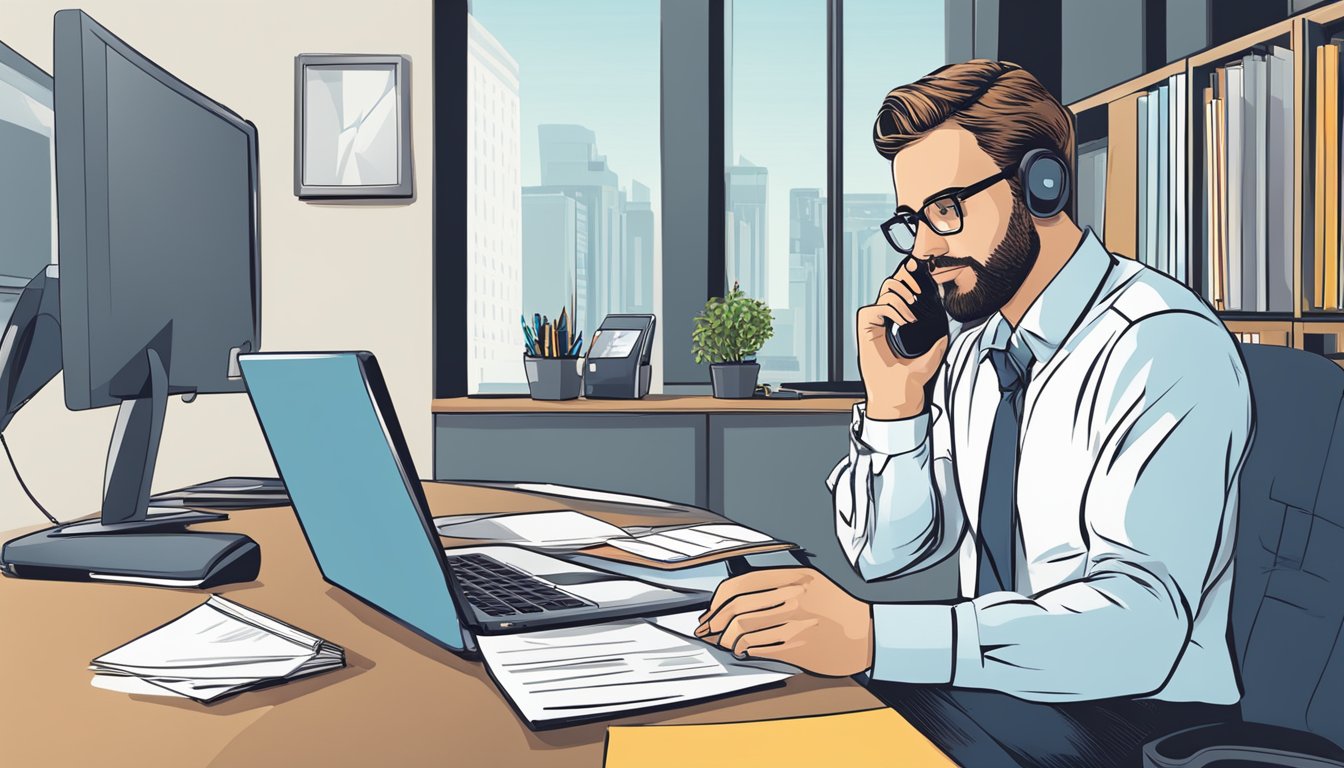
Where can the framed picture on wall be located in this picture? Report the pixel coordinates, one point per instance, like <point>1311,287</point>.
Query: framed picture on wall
<point>352,126</point>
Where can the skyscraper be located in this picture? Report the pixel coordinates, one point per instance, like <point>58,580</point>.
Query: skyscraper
<point>555,247</point>
<point>494,228</point>
<point>571,165</point>
<point>807,278</point>
<point>638,290</point>
<point>867,257</point>
<point>747,242</point>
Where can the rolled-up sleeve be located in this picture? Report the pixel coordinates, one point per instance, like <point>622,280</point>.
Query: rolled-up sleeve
<point>1171,421</point>
<point>896,508</point>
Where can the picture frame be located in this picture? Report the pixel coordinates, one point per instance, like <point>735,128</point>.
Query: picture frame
<point>352,131</point>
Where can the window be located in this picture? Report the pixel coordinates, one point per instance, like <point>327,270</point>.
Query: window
<point>775,175</point>
<point>776,148</point>
<point>564,180</point>
<point>884,45</point>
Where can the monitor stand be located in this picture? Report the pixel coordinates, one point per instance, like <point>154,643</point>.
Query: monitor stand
<point>127,543</point>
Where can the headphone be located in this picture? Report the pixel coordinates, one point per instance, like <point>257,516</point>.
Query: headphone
<point>1042,173</point>
<point>1044,178</point>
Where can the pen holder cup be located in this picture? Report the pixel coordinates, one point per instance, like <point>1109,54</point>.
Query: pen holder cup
<point>553,378</point>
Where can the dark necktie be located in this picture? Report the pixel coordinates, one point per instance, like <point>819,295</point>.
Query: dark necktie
<point>996,536</point>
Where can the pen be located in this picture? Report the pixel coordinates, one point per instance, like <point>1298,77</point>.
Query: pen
<point>528,339</point>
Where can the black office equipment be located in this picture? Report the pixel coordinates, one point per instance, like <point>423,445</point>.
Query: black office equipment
<point>914,339</point>
<point>617,365</point>
<point>160,291</point>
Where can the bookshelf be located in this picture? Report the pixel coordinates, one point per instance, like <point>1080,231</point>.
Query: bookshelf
<point>1264,275</point>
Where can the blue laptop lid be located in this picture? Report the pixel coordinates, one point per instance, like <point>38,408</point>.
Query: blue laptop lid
<point>335,440</point>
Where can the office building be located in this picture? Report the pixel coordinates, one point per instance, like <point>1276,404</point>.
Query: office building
<point>637,294</point>
<point>495,237</point>
<point>555,247</point>
<point>570,164</point>
<point>748,243</point>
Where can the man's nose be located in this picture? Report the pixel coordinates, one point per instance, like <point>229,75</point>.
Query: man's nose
<point>928,244</point>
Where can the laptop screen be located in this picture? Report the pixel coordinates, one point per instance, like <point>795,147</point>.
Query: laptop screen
<point>337,452</point>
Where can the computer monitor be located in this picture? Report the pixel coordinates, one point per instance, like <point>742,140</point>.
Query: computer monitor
<point>159,254</point>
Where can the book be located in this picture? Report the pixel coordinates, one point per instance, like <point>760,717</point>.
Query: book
<point>1161,212</point>
<point>1280,207</point>
<point>1141,246</point>
<point>1255,124</point>
<point>1235,157</point>
<point>1317,295</point>
<point>1330,129</point>
<point>217,649</point>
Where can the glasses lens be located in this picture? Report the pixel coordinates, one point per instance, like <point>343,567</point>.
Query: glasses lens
<point>944,215</point>
<point>900,232</point>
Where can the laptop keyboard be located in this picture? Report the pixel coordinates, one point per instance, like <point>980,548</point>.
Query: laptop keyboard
<point>497,589</point>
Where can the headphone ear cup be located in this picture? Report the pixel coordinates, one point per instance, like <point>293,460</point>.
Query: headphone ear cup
<point>1045,183</point>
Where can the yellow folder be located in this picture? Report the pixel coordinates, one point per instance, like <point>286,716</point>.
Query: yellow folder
<point>1331,177</point>
<point>871,737</point>
<point>1318,187</point>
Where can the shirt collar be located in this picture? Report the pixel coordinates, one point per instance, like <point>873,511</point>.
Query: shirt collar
<point>1058,309</point>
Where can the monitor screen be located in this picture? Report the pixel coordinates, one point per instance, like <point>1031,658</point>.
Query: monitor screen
<point>27,194</point>
<point>159,247</point>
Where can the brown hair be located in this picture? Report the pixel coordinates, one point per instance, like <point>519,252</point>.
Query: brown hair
<point>1004,106</point>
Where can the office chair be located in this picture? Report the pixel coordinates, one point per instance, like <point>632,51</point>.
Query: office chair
<point>1288,582</point>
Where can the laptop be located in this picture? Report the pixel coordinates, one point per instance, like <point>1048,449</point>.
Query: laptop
<point>335,439</point>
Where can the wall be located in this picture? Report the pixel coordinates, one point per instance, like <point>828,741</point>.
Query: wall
<point>1102,44</point>
<point>333,276</point>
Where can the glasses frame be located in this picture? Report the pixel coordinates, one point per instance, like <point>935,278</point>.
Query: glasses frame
<point>957,197</point>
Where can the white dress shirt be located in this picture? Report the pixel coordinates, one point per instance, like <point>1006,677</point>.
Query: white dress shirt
<point>1135,424</point>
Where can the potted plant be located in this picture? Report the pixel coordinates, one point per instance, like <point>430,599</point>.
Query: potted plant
<point>727,332</point>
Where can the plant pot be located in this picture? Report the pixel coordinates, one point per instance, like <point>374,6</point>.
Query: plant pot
<point>553,378</point>
<point>734,380</point>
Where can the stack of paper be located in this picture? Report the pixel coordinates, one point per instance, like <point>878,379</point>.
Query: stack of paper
<point>570,530</point>
<point>217,649</point>
<point>563,529</point>
<point>557,676</point>
<point>672,545</point>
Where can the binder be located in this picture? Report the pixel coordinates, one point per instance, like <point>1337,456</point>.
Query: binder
<point>1330,127</point>
<point>1235,183</point>
<point>1318,185</point>
<point>1279,208</point>
<point>1141,251</point>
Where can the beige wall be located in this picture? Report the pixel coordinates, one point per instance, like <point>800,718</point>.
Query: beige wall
<point>333,276</point>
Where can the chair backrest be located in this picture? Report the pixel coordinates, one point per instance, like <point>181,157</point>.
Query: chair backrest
<point>1288,583</point>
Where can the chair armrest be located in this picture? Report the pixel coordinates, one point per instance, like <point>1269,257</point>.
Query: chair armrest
<point>1243,745</point>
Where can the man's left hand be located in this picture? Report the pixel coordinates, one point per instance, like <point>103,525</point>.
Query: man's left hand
<point>794,615</point>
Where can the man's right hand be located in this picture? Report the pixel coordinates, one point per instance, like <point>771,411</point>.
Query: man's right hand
<point>894,384</point>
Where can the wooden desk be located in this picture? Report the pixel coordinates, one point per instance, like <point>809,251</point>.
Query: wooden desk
<point>400,701</point>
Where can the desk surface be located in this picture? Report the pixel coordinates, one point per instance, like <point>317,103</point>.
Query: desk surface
<point>401,700</point>
<point>650,404</point>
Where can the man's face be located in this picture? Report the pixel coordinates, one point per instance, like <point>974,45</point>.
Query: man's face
<point>982,266</point>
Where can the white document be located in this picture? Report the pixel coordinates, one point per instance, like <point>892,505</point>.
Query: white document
<point>565,529</point>
<point>568,491</point>
<point>677,544</point>
<point>215,649</point>
<point>581,672</point>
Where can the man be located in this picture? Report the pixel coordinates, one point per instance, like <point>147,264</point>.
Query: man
<point>1080,452</point>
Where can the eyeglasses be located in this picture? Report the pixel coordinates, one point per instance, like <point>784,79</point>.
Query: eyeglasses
<point>942,214</point>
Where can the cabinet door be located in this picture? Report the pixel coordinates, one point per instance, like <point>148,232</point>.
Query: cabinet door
<point>768,471</point>
<point>656,455</point>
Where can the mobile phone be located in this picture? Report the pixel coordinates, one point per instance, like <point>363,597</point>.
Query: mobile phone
<point>914,339</point>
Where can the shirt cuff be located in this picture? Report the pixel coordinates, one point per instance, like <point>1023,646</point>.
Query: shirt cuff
<point>912,643</point>
<point>891,437</point>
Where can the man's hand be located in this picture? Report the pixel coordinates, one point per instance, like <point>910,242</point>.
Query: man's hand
<point>894,384</point>
<point>794,615</point>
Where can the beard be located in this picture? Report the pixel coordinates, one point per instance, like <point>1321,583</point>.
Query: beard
<point>1001,275</point>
